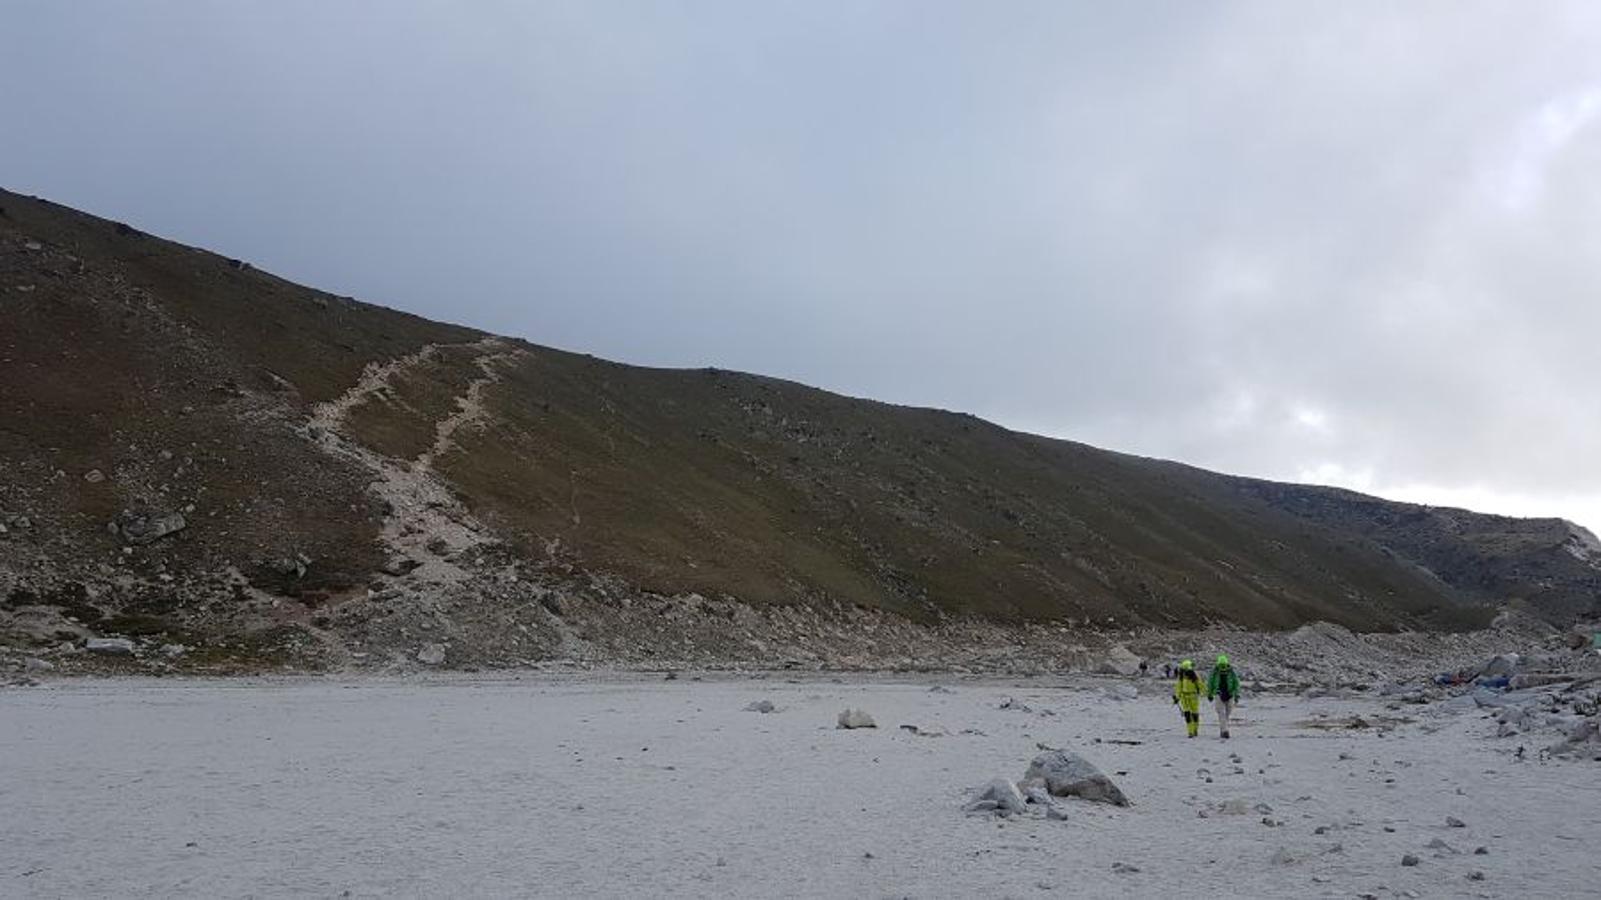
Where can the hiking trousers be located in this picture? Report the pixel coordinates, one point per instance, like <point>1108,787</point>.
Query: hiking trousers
<point>1224,708</point>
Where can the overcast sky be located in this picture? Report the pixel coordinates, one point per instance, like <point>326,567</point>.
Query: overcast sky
<point>1352,243</point>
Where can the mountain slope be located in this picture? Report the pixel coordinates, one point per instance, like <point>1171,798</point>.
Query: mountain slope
<point>189,446</point>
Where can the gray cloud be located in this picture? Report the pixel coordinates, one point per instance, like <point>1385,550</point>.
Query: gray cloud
<point>1357,243</point>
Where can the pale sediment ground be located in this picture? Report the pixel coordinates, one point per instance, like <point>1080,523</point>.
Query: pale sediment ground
<point>630,786</point>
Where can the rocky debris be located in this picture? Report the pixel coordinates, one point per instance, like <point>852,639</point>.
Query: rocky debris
<point>1500,664</point>
<point>109,646</point>
<point>1123,868</point>
<point>94,476</point>
<point>431,654</point>
<point>35,664</point>
<point>1410,859</point>
<point>856,718</point>
<point>173,651</point>
<point>146,529</point>
<point>1067,774</point>
<point>400,565</point>
<point>761,706</point>
<point>1454,822</point>
<point>1119,660</point>
<point>553,604</point>
<point>1282,857</point>
<point>1000,797</point>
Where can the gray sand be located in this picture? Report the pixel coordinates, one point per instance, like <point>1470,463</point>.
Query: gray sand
<point>563,786</point>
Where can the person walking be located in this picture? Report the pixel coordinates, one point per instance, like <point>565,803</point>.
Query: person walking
<point>1187,697</point>
<point>1223,688</point>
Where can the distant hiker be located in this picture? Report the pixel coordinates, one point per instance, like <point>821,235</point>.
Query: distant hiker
<point>1167,670</point>
<point>1143,669</point>
<point>1187,696</point>
<point>1223,686</point>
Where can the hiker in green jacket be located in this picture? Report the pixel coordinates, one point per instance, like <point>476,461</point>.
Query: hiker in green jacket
<point>1223,688</point>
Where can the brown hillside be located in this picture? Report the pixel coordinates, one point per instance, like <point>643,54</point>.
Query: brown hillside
<point>327,456</point>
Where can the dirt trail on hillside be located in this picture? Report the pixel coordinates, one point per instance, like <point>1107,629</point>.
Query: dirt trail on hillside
<point>424,522</point>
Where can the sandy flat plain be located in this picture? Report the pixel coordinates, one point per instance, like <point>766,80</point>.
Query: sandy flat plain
<point>599,785</point>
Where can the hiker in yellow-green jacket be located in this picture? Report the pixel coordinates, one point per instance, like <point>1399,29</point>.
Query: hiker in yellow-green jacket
<point>1223,686</point>
<point>1187,696</point>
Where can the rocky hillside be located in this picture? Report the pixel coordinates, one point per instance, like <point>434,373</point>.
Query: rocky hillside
<point>197,454</point>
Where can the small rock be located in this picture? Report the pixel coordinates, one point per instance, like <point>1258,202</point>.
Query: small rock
<point>1282,857</point>
<point>856,718</point>
<point>1410,860</point>
<point>34,664</point>
<point>94,476</point>
<point>761,706</point>
<point>1454,822</point>
<point>1123,868</point>
<point>173,651</point>
<point>1056,814</point>
<point>431,654</point>
<point>1476,875</point>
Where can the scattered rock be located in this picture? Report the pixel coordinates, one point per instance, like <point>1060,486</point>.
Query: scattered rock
<point>856,718</point>
<point>1282,857</point>
<point>173,651</point>
<point>431,654</point>
<point>109,646</point>
<point>94,476</point>
<point>34,664</point>
<point>1454,822</point>
<point>1410,860</point>
<point>1066,774</point>
<point>1476,875</point>
<point>1123,868</point>
<point>553,604</point>
<point>149,528</point>
<point>400,565</point>
<point>1056,814</point>
<point>1000,796</point>
<point>761,706</point>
